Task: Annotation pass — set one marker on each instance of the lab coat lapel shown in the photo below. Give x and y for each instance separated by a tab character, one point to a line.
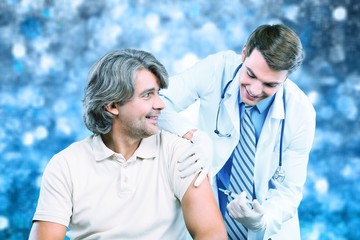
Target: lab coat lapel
228	123
231	104
268	145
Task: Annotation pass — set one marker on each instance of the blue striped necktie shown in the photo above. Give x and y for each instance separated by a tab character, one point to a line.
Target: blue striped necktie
242	171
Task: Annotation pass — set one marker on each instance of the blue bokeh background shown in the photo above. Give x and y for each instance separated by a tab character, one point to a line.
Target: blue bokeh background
47	48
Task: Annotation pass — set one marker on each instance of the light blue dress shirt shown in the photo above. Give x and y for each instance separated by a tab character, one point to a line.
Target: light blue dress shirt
258	115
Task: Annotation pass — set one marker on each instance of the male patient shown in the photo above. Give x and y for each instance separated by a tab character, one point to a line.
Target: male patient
123	182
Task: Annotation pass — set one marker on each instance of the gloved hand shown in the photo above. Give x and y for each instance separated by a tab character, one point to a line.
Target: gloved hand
253	219
198	159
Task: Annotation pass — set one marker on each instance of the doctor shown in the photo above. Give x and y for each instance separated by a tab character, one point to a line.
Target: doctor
283	119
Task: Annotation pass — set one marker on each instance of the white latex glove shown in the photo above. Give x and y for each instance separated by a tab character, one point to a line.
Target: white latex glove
198	159
240	210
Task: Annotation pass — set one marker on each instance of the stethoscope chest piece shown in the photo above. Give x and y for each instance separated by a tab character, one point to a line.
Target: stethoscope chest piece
279	174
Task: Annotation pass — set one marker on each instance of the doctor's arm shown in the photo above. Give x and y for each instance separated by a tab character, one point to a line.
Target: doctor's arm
196	83
184	89
42	230
202	215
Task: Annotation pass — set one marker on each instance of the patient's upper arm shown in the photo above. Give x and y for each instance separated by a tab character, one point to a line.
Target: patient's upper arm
42	230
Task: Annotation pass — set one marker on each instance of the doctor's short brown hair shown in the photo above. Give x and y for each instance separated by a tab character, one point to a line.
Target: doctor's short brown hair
279	45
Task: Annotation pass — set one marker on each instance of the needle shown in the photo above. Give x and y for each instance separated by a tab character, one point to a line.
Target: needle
232	194
229	193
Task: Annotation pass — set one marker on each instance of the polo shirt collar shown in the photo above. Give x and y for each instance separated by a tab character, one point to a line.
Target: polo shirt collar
148	147
146	150
101	151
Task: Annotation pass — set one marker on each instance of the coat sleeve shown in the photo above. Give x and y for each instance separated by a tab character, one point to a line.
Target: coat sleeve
195	84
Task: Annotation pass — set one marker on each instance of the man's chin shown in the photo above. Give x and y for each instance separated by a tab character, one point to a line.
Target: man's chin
152	131
252	102
249	102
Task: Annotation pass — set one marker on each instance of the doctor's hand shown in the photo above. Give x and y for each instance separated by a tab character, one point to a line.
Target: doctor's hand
240	210
198	159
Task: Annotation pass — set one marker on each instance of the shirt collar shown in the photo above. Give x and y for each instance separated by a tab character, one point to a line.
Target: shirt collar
263	104
146	149
101	151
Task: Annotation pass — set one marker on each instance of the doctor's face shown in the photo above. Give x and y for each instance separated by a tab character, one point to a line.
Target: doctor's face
257	80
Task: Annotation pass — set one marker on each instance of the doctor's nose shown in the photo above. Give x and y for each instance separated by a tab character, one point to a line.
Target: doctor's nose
256	88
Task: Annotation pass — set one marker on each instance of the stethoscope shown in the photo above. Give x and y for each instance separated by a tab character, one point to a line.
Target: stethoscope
279	174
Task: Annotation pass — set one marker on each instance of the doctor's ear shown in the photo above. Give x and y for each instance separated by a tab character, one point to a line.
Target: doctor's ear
112	108
243	53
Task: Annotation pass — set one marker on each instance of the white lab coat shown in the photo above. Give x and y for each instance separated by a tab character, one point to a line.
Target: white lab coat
206	81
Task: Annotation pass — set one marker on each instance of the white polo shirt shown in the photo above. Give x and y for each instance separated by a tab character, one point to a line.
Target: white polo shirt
98	195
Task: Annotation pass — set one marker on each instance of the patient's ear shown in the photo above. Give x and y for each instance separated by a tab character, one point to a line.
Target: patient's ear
112	108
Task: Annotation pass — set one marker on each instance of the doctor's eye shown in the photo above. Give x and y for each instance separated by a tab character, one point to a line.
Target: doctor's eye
271	85
250	74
